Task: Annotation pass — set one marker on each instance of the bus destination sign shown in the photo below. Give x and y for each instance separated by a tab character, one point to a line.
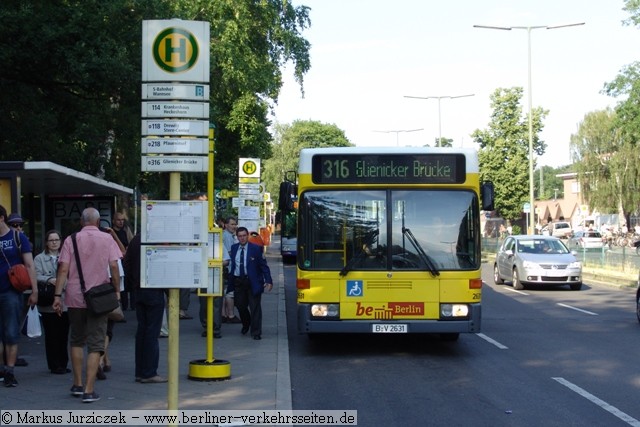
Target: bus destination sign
389	169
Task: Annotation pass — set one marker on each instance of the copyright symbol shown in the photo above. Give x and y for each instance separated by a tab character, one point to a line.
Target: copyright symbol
6	418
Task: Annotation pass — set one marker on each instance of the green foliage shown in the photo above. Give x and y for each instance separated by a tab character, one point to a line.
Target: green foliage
550	182
504	150
607	163
286	146
70	85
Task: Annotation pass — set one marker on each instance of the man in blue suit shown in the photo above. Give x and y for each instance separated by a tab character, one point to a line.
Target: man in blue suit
249	277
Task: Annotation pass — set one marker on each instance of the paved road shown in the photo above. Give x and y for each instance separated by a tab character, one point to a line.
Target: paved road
545	357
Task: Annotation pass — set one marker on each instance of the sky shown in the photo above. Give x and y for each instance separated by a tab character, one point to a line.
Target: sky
367	55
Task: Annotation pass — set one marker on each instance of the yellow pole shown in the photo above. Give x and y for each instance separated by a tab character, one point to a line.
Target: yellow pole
174	322
212	201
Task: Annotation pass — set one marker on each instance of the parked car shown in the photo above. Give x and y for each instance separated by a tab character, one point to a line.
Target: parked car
541	260
560	229
588	239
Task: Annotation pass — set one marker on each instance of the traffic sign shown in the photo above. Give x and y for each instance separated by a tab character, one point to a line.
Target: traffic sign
175	50
175	127
185	145
185	110
195	92
174	164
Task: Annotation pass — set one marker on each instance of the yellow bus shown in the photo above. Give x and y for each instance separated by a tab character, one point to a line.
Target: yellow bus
389	240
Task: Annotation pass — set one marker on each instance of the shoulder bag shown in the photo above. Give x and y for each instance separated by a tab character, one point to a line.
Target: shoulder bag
100	299
18	274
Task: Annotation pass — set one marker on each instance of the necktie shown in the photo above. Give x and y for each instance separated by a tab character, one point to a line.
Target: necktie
242	273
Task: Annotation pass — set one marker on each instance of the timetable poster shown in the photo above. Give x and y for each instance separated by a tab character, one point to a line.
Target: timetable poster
166	221
173	267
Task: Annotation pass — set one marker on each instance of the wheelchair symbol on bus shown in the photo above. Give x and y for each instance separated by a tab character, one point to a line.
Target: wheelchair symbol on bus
354	288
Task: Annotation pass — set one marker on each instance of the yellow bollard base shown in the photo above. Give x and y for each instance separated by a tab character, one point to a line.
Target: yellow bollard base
215	370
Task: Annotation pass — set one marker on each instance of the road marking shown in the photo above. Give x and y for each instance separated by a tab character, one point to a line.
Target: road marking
492	341
601	403
517	291
577	309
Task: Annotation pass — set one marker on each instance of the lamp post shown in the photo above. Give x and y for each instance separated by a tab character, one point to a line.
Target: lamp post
532	215
397	132
439	98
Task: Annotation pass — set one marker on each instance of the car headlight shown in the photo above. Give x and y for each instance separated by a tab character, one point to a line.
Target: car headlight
454	310
530	264
575	264
325	310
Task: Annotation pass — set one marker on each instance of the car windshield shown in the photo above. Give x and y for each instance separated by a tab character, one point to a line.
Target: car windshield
592	234
541	246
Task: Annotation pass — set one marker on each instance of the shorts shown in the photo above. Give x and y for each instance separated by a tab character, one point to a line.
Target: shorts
11	312
87	329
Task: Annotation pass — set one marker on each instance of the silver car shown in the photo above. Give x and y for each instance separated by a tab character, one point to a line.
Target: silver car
588	239
542	260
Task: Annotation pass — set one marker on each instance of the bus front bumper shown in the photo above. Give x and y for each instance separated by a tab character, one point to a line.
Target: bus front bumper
309	325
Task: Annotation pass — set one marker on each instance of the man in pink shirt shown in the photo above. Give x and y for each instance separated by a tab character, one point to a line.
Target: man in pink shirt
97	251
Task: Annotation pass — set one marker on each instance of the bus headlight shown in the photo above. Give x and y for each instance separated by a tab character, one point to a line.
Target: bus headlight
325	310
454	310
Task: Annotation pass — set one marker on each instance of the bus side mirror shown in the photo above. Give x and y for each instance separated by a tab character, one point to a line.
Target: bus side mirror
287	196
486	194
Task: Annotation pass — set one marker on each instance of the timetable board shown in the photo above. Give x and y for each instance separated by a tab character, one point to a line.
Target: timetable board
173	266
169	221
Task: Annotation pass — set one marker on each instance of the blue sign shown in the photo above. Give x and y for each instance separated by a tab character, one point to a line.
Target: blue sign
354	288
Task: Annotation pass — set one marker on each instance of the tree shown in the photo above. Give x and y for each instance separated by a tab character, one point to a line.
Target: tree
446	142
287	143
552	186
70	85
504	150
606	163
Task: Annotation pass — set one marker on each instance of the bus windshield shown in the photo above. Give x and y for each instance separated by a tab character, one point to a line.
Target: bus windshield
405	230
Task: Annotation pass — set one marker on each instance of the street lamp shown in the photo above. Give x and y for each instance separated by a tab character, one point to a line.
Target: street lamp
532	216
397	132
439	98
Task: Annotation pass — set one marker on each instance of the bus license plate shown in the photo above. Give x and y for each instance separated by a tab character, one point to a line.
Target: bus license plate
389	328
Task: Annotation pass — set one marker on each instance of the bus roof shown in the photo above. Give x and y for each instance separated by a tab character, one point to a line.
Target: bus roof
306	154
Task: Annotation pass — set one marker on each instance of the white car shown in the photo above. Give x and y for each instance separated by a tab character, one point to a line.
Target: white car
560	229
589	239
542	260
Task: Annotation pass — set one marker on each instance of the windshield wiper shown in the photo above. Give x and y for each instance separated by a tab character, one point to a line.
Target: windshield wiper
360	255
423	255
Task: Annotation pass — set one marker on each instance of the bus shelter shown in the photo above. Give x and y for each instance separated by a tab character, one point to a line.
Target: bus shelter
48	195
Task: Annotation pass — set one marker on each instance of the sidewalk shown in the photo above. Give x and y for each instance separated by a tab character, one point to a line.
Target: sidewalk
259	369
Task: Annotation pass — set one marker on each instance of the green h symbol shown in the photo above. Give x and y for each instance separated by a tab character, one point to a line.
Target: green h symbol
170	50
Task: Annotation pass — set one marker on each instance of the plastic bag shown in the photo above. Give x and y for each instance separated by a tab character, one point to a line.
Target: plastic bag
31	326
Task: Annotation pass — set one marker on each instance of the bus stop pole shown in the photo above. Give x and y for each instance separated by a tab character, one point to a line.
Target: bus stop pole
173	356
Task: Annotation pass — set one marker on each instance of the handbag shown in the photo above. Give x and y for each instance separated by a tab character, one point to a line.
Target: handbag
18	274
117	315
46	293
100	299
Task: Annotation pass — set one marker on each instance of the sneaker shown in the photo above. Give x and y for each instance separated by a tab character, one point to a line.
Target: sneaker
10	380
153	380
77	390
90	397
21	362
